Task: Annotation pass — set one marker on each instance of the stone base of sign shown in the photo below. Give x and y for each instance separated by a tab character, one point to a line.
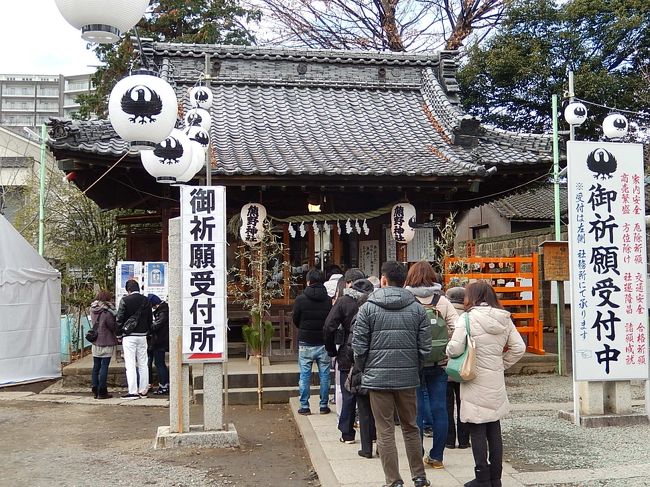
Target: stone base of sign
197	438
610	397
600	420
592	400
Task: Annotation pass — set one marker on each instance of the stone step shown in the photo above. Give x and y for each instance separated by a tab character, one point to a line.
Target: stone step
271	395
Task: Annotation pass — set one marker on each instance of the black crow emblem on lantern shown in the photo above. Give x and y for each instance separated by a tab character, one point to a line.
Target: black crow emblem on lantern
169	151
580	111
194	119
202	138
602	163
201	96
619	123
143	103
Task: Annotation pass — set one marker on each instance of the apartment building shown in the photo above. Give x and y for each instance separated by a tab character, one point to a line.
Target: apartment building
28	100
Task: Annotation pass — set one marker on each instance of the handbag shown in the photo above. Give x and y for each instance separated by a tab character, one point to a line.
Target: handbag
463	367
93	334
132	321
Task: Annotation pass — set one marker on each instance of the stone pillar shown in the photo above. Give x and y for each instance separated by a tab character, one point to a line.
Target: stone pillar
179	374
212	397
591	398
618	397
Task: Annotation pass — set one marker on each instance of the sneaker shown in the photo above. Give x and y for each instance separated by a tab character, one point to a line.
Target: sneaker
347	442
432	462
162	391
365	454
131	396
325	410
464	445
304	411
143	394
428	432
397	483
421	482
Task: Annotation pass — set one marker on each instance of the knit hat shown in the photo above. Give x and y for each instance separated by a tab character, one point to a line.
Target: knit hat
352	275
456	294
363	286
154	300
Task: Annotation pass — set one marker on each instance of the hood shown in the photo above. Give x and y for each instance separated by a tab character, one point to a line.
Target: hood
425	291
316	292
97	307
493	320
353	293
392	297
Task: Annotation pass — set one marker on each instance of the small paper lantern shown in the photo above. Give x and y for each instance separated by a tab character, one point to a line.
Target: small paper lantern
170	159
142	109
198	135
198	161
615	126
201	97
253	216
402	217
575	113
198	117
102	21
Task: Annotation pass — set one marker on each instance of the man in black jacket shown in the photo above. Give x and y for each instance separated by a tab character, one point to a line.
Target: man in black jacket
309	313
159	342
134	345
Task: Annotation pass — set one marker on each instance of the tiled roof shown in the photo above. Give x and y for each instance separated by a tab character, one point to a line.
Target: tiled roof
319	112
538	203
16	162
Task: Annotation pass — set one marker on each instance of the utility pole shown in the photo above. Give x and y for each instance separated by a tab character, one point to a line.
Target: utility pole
41	195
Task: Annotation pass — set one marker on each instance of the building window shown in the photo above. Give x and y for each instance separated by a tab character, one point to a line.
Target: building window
480	232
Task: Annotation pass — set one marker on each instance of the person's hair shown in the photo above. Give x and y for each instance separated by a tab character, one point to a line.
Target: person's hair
394	272
315	276
331	270
353	274
456	294
340	286
104	295
479	292
132	286
421	274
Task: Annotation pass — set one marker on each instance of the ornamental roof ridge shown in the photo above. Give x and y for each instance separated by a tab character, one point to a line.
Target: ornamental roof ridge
300	54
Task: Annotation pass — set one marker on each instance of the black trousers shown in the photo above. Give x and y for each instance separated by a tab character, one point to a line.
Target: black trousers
453	404
367	429
487	446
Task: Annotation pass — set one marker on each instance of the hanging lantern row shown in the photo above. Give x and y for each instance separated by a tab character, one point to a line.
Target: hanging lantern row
252	216
102	21
402	222
201	97
615	125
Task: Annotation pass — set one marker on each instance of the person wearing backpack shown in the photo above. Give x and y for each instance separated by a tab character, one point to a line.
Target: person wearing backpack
424	283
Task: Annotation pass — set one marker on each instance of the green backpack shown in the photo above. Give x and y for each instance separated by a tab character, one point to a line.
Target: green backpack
439	334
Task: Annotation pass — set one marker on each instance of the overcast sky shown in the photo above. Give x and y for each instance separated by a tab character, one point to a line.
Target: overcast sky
34	39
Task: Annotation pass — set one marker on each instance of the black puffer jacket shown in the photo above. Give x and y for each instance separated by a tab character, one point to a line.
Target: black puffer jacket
160	328
309	313
129	305
391	340
341	314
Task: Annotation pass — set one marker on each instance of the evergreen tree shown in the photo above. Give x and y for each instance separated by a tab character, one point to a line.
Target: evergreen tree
510	78
190	21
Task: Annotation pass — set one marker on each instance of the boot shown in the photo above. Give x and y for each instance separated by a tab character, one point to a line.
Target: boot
103	393
94	389
495	474
482	478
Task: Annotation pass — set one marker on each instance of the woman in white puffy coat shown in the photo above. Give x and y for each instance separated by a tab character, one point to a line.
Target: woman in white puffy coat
484	400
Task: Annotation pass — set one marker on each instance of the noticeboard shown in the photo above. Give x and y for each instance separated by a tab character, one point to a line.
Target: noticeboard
556	260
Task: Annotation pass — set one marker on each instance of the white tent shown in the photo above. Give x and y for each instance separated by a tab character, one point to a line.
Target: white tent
30	311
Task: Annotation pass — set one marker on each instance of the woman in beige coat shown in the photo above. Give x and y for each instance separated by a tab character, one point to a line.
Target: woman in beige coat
485	400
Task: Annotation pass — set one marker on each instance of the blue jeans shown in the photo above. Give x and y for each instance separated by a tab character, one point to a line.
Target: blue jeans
307	355
434	381
100	371
161	367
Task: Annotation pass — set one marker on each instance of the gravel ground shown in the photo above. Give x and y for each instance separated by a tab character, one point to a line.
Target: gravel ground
539	440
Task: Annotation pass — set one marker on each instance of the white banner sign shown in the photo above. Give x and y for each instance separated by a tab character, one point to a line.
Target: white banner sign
203	241
608	261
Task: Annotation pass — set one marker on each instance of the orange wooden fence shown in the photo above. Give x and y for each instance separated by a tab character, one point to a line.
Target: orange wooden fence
506	275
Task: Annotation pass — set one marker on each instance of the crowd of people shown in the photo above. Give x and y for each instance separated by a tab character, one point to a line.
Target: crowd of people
390	344
144	345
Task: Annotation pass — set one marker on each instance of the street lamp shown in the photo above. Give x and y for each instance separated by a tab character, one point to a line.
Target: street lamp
41	193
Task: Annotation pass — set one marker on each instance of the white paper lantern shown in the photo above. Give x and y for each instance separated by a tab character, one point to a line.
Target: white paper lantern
142	109
615	126
252	216
198	162
102	21
198	135
575	113
201	97
170	159
198	117
402	217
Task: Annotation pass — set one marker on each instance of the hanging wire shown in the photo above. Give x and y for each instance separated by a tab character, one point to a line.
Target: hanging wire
640	114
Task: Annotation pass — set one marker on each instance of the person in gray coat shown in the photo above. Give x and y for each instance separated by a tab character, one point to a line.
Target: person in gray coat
391	341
